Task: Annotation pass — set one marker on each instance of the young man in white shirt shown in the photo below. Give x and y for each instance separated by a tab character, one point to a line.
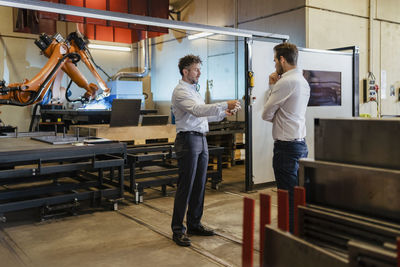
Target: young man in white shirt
286	107
191	117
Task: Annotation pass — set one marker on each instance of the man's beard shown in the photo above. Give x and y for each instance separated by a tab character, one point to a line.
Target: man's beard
194	80
279	69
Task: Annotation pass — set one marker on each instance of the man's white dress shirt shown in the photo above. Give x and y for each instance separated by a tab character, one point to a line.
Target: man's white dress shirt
190	111
286	106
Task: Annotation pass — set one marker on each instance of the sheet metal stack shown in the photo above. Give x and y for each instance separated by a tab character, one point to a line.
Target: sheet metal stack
353	190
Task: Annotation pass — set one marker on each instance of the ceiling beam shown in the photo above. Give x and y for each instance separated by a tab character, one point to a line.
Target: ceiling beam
136	19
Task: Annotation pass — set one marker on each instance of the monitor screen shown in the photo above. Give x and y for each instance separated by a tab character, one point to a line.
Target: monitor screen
326	87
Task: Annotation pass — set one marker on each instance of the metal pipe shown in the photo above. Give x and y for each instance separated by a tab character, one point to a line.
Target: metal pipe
145	72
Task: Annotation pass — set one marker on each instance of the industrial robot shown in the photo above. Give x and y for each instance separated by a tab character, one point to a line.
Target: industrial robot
63	55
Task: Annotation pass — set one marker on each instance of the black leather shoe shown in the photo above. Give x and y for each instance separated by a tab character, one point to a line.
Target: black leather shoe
200	230
181	240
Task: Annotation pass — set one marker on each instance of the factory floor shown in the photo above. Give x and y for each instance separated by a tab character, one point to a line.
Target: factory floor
134	235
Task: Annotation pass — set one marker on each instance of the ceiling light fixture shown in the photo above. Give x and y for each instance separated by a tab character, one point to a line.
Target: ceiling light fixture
199	35
110	47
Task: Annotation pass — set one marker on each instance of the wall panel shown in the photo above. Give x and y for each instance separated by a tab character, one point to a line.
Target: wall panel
390	54
252	9
290	23
358	7
388	10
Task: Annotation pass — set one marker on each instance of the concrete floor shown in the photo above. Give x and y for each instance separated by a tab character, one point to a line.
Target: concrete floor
135	235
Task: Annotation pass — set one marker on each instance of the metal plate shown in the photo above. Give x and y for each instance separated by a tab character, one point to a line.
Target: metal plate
369	142
284	249
59	140
370	191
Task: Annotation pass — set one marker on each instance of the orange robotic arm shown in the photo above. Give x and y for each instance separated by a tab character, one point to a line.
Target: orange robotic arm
63	56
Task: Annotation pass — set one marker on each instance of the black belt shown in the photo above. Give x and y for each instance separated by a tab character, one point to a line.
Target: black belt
294	140
192	133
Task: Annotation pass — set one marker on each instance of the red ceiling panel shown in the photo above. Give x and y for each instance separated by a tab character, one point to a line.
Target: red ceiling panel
104	33
97	28
96	4
119	6
122	35
48	15
158	9
138	7
89	31
48	26
74	18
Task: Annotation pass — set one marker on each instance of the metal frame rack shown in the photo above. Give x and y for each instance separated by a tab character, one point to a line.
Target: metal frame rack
160	155
33	174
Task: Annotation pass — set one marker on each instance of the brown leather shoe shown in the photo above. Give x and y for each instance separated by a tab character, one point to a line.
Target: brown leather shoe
181	240
201	230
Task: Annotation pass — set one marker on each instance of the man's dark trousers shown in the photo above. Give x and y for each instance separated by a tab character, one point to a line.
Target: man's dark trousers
286	166
192	155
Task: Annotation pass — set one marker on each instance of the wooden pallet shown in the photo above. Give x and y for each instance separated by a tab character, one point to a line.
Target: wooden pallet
138	134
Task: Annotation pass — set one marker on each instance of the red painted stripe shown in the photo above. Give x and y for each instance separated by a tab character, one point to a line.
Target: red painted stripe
299	199
265	218
283	210
248	232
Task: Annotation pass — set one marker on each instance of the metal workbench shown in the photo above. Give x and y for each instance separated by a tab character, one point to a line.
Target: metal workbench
36	174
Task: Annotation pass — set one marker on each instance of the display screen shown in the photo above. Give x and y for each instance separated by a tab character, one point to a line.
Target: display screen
326	87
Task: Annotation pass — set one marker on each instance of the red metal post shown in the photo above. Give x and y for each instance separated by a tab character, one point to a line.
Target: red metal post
265	218
283	210
299	199
248	232
398	252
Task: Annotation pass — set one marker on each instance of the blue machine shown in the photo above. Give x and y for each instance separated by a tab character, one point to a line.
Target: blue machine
125	90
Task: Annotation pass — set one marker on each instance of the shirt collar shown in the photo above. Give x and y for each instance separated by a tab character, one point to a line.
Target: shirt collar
290	71
187	85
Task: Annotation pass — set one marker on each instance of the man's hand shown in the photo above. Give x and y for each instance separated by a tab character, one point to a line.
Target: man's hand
228	112
232	104
273	78
233	107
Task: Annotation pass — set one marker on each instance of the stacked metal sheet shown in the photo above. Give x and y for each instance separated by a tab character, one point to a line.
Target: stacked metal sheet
353	190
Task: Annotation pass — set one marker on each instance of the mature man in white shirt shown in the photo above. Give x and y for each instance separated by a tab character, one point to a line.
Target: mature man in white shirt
286	107
191	117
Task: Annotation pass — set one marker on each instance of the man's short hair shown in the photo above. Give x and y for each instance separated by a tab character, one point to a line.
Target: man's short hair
188	60
288	51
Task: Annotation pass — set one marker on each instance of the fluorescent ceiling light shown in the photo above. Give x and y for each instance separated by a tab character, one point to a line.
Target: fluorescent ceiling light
199	35
110	47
